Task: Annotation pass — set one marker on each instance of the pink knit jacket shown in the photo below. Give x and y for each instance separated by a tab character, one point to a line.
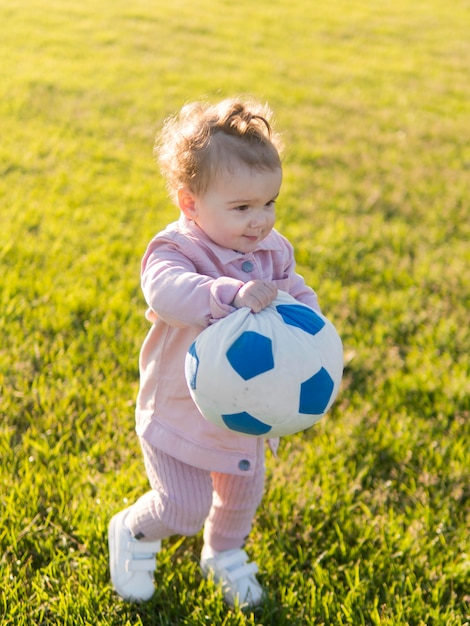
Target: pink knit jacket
189	282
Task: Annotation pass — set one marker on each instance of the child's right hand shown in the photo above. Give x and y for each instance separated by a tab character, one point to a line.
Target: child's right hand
255	294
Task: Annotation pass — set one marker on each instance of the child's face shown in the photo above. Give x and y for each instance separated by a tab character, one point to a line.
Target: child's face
237	211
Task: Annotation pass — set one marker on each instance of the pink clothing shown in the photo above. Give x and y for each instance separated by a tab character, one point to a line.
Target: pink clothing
189	283
184	499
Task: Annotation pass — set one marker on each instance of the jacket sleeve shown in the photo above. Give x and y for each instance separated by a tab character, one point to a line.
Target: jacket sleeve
178	294
303	293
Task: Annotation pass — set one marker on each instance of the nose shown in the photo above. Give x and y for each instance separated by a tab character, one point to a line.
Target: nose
258	220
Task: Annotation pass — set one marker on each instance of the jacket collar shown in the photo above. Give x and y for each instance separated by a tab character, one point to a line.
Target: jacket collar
225	255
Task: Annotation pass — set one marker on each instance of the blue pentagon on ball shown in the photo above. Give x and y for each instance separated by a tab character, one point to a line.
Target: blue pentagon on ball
301	317
315	393
192	366
245	423
251	354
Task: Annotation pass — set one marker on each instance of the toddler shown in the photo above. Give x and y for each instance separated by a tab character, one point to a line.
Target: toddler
223	170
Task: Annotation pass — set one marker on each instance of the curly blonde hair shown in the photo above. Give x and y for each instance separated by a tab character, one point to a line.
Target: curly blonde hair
204	140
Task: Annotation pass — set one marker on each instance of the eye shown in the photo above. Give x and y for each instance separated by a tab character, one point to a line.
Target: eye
271	203
242	207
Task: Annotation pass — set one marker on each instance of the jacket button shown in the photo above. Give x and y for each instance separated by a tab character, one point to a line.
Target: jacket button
247	266
244	465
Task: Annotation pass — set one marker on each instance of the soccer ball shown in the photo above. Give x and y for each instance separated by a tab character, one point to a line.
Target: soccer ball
266	374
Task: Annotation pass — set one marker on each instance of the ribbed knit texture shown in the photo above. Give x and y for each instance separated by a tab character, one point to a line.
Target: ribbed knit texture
234	503
183	497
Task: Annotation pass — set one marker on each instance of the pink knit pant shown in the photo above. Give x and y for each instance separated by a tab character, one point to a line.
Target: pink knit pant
185	498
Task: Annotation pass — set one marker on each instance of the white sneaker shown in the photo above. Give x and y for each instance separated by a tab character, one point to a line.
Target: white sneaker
236	576
132	563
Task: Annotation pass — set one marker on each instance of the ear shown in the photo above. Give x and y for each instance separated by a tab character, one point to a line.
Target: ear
187	203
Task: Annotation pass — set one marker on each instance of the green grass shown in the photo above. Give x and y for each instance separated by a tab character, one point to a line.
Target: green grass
366	515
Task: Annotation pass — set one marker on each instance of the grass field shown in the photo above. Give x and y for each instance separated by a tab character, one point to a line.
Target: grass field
366	516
